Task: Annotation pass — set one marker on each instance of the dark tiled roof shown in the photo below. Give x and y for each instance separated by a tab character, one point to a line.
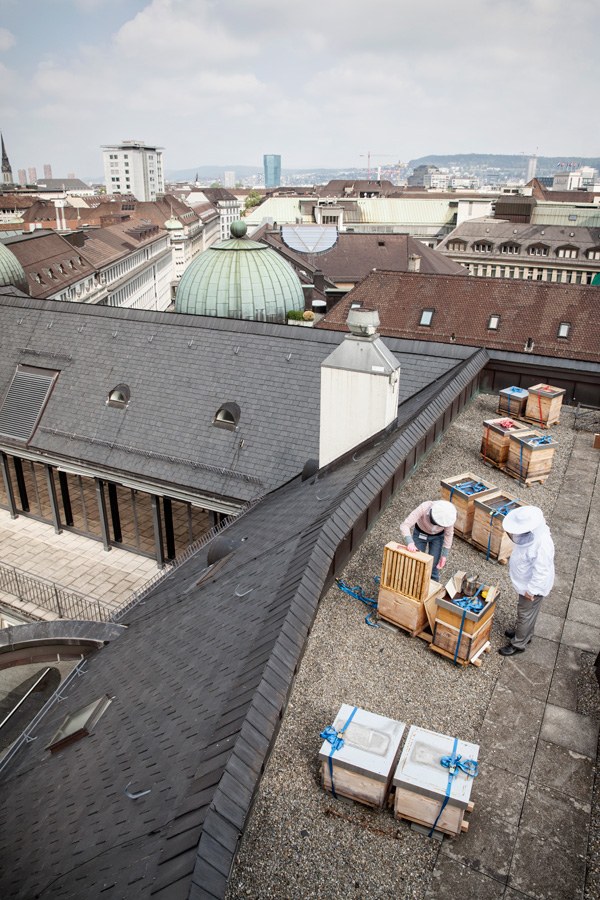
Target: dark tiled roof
355	255
42	254
59	184
200	680
180	370
463	305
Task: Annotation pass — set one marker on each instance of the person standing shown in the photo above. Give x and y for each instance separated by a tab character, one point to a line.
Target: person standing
531	571
433	529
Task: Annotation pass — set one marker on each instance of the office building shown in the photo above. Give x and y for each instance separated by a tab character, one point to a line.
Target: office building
31	175
47	170
133	167
229	179
22	177
272	163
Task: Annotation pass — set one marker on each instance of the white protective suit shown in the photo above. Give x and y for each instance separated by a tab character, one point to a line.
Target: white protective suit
532	565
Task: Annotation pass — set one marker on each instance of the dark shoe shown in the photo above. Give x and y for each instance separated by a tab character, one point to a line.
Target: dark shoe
510	633
509	650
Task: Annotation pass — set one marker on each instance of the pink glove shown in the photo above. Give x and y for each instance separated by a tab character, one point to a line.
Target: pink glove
412	547
442	562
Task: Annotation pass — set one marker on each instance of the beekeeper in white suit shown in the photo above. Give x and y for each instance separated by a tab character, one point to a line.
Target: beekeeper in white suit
531	571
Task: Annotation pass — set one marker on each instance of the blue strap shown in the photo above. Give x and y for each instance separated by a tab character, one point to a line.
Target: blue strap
468	604
521	463
336	739
452	763
469	488
462	625
542	439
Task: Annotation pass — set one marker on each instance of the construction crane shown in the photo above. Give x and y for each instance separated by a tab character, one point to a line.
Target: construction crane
368	155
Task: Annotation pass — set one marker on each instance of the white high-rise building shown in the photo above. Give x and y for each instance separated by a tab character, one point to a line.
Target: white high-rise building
229	179
133	167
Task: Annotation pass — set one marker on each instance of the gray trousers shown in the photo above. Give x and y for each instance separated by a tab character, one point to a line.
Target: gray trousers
527	613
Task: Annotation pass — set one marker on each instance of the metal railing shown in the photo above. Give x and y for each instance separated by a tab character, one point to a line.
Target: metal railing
27	736
66	603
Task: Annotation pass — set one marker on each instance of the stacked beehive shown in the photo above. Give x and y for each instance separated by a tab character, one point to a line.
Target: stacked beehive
406	587
530	456
461	633
422	781
512	401
544	404
488	534
363	766
461	490
496	439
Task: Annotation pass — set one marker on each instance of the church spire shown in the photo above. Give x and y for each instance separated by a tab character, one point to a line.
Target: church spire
7	177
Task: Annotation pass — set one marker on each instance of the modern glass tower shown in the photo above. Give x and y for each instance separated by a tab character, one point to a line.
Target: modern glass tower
272	163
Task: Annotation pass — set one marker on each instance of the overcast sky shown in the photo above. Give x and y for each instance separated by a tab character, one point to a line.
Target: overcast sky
220	82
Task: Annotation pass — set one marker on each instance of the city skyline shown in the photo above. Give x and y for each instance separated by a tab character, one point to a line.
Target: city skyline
223	83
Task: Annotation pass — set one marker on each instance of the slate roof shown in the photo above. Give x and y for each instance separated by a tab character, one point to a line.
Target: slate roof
355	255
180	370
197	704
526	235
463	305
59	184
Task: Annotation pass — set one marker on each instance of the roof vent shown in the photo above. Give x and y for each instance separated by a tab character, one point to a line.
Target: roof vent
227	416
363	322
311	467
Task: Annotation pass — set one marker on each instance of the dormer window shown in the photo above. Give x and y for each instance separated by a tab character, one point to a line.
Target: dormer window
564	329
538	250
567	252
426	317
594	253
510	248
482	247
119	397
459	246
494	322
227	416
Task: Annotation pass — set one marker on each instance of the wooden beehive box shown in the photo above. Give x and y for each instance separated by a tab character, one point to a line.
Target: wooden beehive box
544	404
476	627
421	781
513	401
363	768
405	572
488	533
530	456
461	490
496	439
406	612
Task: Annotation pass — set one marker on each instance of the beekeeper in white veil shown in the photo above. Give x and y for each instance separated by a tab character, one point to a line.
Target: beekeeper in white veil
531	571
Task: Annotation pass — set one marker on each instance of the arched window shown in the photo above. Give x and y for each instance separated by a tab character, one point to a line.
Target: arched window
227	416
119	396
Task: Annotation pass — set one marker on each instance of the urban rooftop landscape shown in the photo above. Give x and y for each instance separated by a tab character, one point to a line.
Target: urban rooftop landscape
299	451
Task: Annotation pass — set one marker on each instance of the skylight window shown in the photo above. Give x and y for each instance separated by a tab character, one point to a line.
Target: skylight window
227	416
120	396
426	317
25	400
564	329
494	322
79	724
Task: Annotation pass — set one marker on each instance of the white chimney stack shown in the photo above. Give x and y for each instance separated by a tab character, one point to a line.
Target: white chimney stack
414	263
360	383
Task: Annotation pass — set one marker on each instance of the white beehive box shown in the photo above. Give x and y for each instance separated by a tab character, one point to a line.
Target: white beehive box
421	780
363	768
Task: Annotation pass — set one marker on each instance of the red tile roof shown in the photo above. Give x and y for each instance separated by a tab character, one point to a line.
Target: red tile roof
462	306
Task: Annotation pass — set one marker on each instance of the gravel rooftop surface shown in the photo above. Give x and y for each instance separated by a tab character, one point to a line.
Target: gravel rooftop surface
301	843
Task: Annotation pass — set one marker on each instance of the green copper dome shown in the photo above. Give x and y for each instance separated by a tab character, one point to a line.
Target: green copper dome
240	279
11	270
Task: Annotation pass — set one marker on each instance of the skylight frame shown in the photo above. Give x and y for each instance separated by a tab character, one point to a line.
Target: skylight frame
78	724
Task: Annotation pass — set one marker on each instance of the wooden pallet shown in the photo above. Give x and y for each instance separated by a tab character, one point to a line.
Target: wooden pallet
526	482
476	660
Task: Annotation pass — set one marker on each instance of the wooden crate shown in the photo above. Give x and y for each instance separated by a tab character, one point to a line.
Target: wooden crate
407	612
476	627
404	572
544	404
496	439
528	459
513	401
363	768
488	533
463	498
421	781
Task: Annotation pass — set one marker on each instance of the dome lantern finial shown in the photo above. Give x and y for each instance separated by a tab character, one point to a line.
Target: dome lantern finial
238	229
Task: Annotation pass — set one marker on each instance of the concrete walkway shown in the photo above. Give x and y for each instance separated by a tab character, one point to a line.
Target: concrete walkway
71	560
529	830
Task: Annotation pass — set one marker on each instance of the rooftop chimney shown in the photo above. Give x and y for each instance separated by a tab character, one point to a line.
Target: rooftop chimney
360	382
414	263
